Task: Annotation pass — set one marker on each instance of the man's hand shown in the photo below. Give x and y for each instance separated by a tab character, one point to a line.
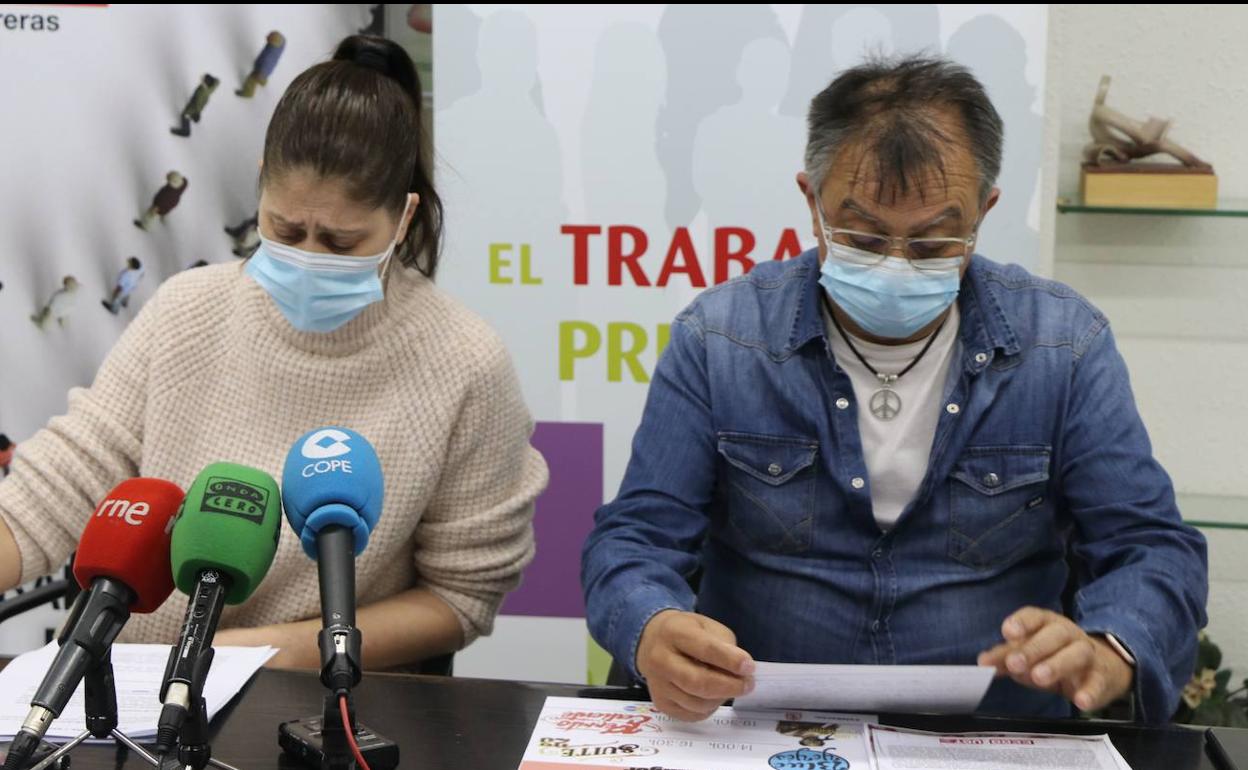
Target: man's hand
1047	651
692	664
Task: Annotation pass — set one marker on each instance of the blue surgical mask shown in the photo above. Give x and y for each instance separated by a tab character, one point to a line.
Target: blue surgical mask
887	296
318	292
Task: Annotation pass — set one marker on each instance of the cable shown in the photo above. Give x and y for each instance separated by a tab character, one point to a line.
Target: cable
21	750
346	725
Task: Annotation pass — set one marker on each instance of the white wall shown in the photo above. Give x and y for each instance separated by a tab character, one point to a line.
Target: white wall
1174	288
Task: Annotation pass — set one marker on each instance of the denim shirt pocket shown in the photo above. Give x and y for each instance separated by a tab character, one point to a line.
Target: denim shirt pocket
769	484
999	509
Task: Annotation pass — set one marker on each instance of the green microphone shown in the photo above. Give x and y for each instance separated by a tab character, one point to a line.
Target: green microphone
224	540
229	524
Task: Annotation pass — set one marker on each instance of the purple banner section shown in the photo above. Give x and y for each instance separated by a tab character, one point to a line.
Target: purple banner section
564	517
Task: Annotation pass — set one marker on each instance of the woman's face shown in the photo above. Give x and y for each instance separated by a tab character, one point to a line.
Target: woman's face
313	213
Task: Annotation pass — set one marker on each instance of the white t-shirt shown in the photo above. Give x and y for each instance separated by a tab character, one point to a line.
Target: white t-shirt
896	451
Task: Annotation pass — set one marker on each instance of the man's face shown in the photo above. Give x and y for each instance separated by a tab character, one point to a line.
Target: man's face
937	203
940	201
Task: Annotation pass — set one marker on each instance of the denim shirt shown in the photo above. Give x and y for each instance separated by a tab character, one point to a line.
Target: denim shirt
747	472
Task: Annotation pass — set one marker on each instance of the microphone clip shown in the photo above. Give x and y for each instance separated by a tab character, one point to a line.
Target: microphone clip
340	658
193	748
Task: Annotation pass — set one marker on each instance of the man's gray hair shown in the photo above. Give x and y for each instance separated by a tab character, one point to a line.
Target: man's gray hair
891	108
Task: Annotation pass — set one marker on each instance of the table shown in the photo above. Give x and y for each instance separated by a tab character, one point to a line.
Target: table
444	723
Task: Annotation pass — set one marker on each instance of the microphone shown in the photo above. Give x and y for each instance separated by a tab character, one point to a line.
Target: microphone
122	564
224	541
332	490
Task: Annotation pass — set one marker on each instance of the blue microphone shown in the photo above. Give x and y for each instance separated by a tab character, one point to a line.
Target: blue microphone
332	490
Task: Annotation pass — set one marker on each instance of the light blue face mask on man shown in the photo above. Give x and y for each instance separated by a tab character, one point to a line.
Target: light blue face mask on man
887	296
318	292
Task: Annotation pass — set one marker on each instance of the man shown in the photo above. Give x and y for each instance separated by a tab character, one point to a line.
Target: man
194	108
127	281
165	200
888	451
59	304
266	62
246	236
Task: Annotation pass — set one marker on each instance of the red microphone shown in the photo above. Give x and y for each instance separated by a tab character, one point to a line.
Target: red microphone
123	567
128	540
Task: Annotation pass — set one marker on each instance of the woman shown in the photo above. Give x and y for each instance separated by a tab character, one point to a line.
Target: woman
334	320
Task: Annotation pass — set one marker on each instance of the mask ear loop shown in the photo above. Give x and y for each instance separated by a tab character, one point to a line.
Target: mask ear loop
824	230
823	226
974	240
386	267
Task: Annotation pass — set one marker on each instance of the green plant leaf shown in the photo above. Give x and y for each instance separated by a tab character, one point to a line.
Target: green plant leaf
1209	713
1210	656
1238	717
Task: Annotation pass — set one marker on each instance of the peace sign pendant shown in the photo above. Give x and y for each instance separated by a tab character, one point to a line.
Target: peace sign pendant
885	404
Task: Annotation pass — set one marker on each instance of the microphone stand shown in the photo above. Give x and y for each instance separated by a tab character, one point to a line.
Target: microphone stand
100	701
340	671
338	754
325	746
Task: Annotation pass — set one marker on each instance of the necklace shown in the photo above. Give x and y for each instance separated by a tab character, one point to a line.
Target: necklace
885	403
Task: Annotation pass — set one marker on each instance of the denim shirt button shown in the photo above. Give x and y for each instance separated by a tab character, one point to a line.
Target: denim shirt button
991	480
875	626
774	469
981	358
842	403
953	408
857	482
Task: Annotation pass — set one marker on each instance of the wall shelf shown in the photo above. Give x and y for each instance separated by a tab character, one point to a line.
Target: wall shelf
1227	207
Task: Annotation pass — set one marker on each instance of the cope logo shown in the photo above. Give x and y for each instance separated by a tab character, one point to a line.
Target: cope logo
235	498
326	444
323	447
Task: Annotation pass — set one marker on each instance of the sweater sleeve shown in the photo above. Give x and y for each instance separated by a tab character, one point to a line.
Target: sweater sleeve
60	474
476	536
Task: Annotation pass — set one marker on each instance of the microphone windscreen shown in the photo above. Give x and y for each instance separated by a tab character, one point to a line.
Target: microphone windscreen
332	477
230	522
128	540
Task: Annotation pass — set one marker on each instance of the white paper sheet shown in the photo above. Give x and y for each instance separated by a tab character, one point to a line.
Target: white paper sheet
138	670
601	734
892	748
901	689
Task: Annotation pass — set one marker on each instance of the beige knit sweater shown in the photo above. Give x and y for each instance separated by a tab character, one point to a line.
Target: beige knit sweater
211	371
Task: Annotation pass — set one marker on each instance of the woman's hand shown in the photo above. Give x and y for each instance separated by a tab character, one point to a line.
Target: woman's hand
400	629
295	643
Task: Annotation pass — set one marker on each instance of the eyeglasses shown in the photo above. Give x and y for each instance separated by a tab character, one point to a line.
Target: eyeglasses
917	251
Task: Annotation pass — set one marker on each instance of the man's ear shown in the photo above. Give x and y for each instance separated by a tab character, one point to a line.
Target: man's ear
803	184
991	201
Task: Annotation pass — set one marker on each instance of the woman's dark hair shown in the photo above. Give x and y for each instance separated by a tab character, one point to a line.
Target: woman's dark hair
357	118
